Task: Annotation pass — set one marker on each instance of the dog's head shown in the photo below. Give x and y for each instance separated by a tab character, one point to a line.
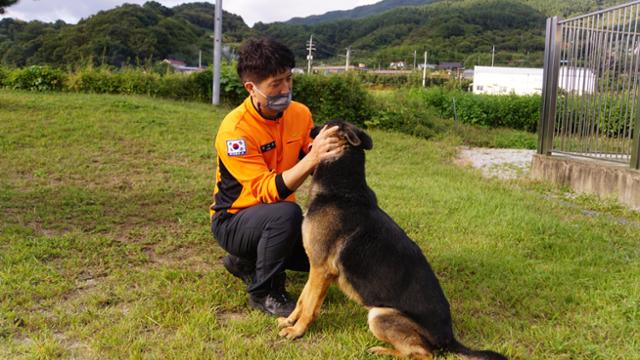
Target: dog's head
355	137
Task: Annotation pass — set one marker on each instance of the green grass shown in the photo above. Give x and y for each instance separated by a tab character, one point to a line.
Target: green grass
105	249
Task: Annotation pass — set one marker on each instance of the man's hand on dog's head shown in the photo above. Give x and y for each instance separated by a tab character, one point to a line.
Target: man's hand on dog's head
327	145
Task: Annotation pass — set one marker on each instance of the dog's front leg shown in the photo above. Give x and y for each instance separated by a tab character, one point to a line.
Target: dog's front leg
295	314
309	303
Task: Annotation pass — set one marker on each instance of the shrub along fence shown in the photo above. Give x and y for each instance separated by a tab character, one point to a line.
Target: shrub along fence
416	111
401	80
511	111
328	97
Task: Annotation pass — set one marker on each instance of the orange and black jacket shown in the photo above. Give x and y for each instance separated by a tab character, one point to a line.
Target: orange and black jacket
252	154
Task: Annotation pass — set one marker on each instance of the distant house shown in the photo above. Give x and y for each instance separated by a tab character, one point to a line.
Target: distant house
397	65
333	69
181	66
527	81
451	66
390	72
428	66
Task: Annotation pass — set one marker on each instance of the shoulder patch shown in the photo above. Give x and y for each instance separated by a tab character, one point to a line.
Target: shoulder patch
236	147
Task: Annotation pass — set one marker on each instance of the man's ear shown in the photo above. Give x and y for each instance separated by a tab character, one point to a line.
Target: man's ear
249	87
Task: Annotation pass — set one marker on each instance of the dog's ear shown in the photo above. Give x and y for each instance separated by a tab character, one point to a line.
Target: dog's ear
367	142
316	129
351	136
357	137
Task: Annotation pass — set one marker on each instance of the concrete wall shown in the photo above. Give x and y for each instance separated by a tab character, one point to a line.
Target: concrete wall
602	178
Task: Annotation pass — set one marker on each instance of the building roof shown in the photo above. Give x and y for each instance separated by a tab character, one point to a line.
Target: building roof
505	70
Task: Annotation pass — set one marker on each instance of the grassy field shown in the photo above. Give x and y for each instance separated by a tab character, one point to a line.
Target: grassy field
105	249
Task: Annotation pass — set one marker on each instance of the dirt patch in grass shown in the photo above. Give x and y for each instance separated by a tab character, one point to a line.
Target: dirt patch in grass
226	316
184	258
500	163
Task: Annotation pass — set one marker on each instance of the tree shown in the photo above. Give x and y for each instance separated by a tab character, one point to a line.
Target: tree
6	3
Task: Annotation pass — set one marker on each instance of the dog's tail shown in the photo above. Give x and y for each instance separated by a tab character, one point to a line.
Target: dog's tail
456	347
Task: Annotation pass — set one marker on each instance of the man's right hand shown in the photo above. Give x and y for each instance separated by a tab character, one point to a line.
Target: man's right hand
326	145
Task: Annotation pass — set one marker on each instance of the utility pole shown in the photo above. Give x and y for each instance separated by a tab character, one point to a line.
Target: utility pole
493	54
346	66
415	53
424	71
217	49
199	59
311	48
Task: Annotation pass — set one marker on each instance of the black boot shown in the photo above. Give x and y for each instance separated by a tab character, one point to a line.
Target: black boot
241	268
277	302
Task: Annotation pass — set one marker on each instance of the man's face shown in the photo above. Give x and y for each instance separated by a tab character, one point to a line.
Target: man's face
273	85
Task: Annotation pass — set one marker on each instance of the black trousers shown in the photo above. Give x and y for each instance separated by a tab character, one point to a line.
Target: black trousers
269	234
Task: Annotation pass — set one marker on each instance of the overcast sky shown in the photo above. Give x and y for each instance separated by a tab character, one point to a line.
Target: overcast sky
252	11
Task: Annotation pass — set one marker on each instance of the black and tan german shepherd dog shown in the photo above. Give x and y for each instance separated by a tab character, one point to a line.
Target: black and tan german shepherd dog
348	238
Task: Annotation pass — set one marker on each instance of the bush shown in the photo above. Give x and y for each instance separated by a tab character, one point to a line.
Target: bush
405	111
4	76
93	80
134	81
231	87
613	114
408	112
333	96
36	78
413	79
189	87
512	111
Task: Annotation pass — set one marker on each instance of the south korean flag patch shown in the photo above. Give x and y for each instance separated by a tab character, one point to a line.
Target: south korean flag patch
236	147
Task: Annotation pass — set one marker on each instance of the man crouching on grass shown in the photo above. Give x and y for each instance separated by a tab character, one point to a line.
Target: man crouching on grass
264	153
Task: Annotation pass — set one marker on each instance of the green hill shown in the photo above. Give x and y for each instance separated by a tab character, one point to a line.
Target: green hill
391	30
127	34
358	12
450	30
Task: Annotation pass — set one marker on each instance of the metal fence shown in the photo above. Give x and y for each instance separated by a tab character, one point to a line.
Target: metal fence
591	86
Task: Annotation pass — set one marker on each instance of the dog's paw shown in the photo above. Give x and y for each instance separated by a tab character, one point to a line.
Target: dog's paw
284	322
291	332
379	350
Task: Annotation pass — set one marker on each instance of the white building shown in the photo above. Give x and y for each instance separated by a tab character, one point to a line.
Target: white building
528	81
578	80
506	80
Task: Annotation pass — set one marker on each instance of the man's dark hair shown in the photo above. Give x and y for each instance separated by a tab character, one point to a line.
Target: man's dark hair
263	57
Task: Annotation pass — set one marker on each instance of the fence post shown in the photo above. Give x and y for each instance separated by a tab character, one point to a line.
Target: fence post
635	150
549	86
